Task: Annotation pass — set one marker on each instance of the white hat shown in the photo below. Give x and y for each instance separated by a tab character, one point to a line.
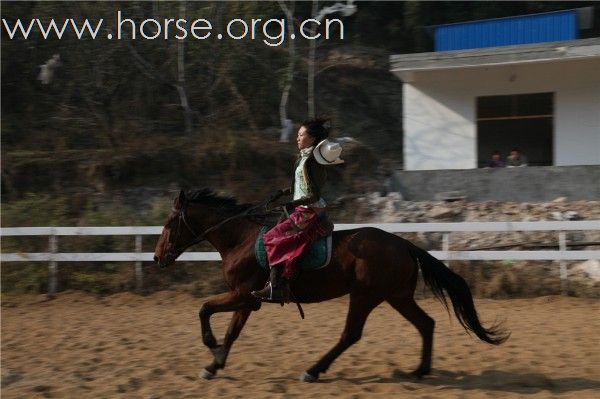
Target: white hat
328	153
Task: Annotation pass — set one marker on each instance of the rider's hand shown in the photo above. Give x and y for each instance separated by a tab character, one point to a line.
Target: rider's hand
288	207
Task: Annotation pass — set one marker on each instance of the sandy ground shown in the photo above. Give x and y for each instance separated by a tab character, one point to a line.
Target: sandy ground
130	346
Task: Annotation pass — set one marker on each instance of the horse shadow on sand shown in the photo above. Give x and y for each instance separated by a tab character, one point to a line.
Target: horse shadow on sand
488	380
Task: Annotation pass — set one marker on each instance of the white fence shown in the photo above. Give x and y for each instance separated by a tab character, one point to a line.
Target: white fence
53	256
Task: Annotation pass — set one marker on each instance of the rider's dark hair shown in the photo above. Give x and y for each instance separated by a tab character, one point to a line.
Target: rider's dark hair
318	128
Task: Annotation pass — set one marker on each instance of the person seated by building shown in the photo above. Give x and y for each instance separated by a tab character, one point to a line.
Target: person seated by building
495	161
515	158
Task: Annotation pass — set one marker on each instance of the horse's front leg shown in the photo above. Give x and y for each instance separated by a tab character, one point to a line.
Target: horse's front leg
226	302
242	305
220	352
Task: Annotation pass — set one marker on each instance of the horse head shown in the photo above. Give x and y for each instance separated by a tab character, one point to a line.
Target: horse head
193	217
178	234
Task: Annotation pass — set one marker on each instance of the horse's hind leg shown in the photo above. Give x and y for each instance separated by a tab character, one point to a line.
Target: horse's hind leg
425	324
220	352
360	307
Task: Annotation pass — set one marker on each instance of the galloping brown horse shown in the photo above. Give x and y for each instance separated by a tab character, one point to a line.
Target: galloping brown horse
369	264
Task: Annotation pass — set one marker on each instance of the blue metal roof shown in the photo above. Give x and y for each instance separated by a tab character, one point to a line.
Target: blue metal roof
524	29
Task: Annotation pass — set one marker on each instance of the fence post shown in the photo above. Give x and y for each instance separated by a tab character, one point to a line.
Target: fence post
139	276
562	246
53	267
446	245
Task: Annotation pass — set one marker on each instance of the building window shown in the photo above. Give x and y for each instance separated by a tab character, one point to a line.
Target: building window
522	121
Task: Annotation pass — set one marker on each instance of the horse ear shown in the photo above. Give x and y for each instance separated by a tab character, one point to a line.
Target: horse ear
180	200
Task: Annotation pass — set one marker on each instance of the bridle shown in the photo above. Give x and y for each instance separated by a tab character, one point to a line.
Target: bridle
182	218
198	238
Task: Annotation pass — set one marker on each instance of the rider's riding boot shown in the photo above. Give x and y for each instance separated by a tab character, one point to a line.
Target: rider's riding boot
277	289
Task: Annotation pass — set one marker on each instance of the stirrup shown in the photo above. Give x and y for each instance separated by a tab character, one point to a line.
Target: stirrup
262	295
285	299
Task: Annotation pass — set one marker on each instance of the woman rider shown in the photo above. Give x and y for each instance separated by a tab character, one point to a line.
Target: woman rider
307	222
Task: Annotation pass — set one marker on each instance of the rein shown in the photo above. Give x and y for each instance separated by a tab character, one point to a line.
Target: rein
202	236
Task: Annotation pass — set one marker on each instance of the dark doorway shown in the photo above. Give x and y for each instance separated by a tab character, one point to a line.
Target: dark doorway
522	121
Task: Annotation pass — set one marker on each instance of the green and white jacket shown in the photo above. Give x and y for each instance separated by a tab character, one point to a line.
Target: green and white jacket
308	181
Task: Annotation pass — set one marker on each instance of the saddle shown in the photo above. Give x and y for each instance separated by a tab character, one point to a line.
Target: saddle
316	256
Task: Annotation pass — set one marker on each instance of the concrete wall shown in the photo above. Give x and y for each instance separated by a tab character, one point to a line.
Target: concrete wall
525	184
577	118
439	112
439	129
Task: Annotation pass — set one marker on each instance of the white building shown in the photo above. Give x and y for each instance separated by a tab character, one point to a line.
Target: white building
461	105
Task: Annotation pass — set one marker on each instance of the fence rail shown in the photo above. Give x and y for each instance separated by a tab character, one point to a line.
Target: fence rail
391	227
53	256
214	256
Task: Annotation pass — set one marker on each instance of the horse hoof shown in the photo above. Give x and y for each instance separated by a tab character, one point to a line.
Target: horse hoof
419	374
308	378
205	374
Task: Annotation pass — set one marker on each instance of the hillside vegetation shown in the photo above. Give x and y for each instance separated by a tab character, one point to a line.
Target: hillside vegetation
112	117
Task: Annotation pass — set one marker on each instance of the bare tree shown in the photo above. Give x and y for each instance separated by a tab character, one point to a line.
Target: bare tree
346	10
311	65
285	122
180	86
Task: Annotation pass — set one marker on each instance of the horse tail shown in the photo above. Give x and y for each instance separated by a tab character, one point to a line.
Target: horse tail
440	278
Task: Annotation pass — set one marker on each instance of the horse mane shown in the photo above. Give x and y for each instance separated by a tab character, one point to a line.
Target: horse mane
230	205
209	197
